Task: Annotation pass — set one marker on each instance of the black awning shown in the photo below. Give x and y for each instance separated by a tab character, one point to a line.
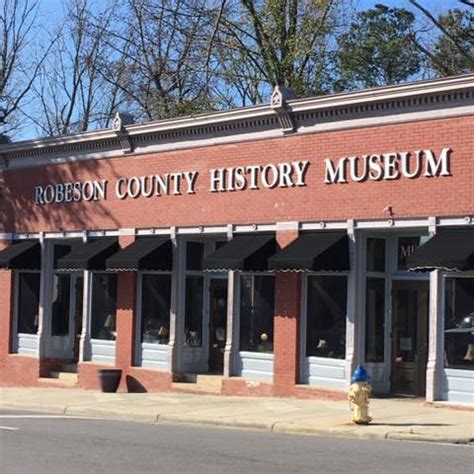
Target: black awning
147	253
243	252
89	256
323	251
24	255
449	249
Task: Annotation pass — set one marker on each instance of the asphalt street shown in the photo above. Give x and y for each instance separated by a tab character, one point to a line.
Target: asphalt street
41	443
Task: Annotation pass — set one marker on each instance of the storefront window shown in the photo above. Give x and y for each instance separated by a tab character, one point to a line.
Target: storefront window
193	318
61	305
459	323
28	302
326	316
104	306
156	297
256	313
375	255
375	320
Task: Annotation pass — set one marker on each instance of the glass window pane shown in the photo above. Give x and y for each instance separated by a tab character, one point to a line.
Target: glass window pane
28	302
194	255
193	317
326	316
61	307
256	313
104	306
375	320
375	255
156	298
459	323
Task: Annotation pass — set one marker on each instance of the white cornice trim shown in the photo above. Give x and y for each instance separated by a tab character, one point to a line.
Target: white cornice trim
434	86
425	100
457	83
356	225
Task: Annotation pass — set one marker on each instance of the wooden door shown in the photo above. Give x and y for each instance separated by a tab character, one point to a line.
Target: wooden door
409	336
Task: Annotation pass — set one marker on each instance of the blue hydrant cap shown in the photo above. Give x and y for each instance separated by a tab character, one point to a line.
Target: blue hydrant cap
360	375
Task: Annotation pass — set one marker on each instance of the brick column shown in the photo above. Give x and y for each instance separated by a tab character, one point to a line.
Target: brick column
6	308
126	308
286	337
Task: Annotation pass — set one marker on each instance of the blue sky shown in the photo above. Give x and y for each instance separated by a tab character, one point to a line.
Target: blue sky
53	7
52	14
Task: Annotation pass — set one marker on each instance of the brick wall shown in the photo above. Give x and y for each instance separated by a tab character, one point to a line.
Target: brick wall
317	201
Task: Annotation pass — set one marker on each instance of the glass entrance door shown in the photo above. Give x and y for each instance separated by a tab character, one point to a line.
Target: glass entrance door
409	336
66	315
217	323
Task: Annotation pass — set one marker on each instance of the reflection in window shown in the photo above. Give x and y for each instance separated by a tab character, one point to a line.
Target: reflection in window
375	255
459	323
61	305
375	319
193	316
256	313
28	302
156	297
326	316
104	306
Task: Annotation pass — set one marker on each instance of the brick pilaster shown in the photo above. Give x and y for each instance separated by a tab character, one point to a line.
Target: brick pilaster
126	308
286	323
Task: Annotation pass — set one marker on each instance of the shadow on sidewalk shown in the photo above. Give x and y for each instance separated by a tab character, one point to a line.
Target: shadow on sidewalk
410	424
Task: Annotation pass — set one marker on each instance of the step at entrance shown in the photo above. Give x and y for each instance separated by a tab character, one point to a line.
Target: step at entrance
201	383
65	377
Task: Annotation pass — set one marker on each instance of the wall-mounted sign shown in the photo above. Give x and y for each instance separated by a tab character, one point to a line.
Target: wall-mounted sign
388	166
376	167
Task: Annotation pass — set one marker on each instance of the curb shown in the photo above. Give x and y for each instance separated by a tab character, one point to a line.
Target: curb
272	427
400	436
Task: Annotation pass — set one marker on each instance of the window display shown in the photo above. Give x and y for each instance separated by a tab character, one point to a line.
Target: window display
155	317
256	313
104	306
459	323
193	318
28	302
326	316
375	320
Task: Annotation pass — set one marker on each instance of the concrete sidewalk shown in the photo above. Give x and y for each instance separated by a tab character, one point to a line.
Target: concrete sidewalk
402	419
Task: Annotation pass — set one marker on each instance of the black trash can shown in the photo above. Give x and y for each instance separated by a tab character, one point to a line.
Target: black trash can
109	379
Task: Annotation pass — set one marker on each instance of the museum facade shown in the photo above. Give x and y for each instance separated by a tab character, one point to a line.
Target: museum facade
265	250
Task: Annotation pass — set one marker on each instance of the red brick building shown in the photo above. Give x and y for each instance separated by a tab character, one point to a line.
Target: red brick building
277	246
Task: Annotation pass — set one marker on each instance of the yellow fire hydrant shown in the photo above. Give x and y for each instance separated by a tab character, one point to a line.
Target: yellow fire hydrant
359	395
